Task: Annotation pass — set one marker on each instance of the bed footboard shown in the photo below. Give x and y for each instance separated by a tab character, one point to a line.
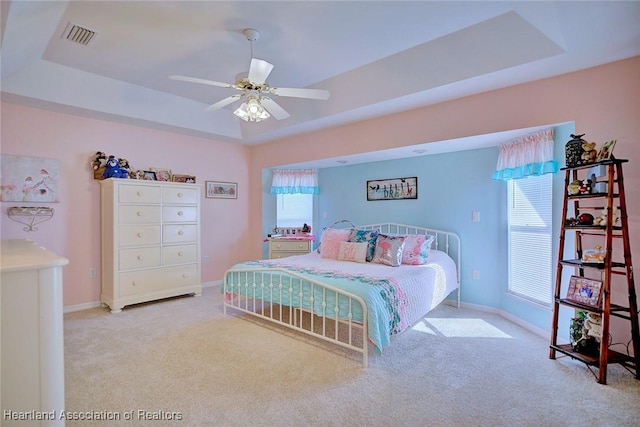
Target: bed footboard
299	303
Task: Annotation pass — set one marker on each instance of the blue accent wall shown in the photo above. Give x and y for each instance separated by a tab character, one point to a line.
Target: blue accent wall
450	187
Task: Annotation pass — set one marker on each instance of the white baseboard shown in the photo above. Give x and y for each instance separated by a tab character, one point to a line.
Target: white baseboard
526	325
94	304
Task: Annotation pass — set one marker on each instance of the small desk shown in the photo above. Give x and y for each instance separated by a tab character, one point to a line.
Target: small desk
281	247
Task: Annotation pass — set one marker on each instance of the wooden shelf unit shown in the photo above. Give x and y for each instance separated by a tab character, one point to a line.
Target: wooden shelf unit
607	269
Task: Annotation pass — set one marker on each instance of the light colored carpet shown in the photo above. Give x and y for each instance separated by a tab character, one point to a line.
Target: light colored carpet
184	358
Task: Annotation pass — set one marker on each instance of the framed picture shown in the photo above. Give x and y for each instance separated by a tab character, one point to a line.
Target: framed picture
221	190
149	176
183	178
584	291
29	179
392	189
162	174
606	150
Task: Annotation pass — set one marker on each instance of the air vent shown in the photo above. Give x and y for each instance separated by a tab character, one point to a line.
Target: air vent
78	34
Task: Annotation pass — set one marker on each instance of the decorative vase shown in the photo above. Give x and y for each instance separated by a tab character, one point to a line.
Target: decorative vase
573	151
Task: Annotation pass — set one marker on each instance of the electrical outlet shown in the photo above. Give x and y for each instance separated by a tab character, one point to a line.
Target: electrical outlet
206	259
475	216
92	273
476	274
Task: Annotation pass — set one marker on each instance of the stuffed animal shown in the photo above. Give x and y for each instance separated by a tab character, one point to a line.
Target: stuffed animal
114	170
585	187
99	160
589	152
602	219
124	164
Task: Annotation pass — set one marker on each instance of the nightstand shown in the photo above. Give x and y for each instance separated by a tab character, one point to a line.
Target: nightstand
284	247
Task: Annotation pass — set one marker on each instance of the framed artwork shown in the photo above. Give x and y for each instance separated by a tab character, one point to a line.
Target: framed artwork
584	291
29	179
392	189
162	174
183	178
606	151
149	176
221	190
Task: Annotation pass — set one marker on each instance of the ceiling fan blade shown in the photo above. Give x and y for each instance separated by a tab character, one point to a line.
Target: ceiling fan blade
259	70
203	81
274	109
300	93
223	103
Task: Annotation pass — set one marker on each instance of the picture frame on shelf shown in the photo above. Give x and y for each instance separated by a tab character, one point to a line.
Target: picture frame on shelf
190	179
149	176
606	151
162	174
221	190
584	291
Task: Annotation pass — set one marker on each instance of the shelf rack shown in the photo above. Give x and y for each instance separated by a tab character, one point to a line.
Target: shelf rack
30	216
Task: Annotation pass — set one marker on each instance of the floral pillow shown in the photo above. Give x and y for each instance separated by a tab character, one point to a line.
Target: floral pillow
330	241
354	252
416	249
368	236
389	250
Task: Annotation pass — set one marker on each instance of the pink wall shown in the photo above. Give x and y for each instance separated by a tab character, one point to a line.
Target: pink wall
604	102
74	231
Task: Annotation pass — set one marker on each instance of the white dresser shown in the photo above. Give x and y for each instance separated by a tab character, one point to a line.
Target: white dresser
285	247
150	241
32	345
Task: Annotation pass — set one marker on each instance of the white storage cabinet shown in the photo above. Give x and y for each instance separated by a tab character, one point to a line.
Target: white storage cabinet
150	241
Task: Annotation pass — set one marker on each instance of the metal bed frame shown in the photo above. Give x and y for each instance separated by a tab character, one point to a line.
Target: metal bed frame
244	290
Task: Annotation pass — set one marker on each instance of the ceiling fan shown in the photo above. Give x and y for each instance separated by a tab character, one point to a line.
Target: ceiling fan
254	87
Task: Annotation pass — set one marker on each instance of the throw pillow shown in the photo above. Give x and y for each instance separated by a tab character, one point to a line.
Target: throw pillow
330	241
389	250
416	249
368	236
354	252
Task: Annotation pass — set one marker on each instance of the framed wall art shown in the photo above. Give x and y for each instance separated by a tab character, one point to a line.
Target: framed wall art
29	179
392	189
584	291
221	190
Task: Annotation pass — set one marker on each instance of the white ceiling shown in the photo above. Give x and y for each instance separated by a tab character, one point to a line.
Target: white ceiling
375	57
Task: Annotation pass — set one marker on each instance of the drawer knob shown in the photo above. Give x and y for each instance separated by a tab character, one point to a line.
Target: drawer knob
134	283
140	257
180	233
179	194
180	253
139	193
180	213
140	234
139	213
185	275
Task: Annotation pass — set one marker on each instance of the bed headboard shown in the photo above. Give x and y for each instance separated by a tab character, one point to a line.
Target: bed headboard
444	241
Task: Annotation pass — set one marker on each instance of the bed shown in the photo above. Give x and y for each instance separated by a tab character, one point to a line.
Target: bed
354	305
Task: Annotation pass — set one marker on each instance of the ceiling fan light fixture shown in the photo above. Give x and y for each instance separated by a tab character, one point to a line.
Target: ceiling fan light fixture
252	111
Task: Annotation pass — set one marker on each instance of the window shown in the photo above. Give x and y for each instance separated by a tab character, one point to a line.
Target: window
530	258
294	210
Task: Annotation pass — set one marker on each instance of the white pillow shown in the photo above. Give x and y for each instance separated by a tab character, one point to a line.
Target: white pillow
352	251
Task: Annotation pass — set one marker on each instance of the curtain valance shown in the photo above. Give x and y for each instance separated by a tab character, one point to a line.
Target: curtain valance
294	181
529	155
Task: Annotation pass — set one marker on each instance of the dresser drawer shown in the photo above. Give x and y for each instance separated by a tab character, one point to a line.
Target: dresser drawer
179	214
182	254
138	214
179	233
180	195
138	194
157	279
133	258
139	235
291	245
